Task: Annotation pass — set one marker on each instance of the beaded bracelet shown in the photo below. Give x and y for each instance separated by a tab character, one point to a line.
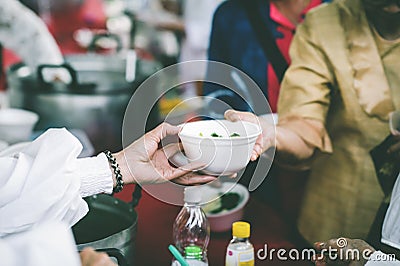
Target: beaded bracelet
117	171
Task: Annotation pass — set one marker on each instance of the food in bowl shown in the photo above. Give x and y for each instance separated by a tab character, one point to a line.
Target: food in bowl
215	135
223	147
224	205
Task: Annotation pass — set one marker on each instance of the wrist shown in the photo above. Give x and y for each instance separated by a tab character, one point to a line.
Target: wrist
118	182
127	176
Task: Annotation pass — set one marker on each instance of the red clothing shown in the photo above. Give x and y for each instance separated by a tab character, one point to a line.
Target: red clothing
64	23
287	29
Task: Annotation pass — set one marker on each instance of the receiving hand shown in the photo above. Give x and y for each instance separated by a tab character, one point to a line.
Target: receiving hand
344	251
266	139
143	162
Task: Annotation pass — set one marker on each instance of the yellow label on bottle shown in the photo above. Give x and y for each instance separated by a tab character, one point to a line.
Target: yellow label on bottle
247	263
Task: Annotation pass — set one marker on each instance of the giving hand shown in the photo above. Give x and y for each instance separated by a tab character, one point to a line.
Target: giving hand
144	162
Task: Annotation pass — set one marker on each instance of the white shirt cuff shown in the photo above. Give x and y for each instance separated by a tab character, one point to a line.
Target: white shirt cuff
95	175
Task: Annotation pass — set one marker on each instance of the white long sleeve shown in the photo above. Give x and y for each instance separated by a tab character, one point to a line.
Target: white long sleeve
26	34
95	175
45	182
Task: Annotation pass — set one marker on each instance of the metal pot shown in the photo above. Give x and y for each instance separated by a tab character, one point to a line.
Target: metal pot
94	101
110	226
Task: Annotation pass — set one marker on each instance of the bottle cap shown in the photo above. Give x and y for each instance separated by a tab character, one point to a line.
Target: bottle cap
241	229
193	252
192	195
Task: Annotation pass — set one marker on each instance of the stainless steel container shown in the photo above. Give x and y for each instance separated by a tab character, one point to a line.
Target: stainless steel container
110	226
94	101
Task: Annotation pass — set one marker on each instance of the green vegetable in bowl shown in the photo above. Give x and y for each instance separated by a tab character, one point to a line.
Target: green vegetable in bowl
226	202
215	135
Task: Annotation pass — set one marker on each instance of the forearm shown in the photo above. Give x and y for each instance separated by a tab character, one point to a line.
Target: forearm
127	174
298	138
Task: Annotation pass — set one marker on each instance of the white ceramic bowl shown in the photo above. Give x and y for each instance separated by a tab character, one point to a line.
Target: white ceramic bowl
223	155
16	125
220	222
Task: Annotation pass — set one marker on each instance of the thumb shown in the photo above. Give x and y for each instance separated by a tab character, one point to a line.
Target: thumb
234	116
231	115
152	138
163	130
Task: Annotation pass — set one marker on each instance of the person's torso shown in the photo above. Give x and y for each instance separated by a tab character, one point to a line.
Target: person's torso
361	100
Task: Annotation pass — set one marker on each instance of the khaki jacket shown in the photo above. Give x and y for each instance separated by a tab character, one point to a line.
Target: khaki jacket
337	77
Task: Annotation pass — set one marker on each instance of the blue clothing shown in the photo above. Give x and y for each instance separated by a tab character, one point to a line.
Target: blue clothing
234	42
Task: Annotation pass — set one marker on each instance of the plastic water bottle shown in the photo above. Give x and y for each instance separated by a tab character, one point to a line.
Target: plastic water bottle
191	232
240	251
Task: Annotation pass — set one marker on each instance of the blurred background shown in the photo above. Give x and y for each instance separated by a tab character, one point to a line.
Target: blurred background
110	47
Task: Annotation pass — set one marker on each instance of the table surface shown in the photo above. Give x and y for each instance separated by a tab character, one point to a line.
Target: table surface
155	232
